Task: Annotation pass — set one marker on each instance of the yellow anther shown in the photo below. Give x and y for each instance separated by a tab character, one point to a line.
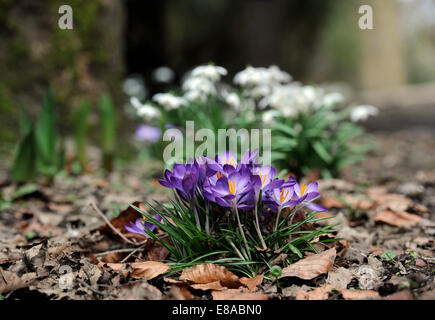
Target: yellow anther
304	187
283	196
263	180
232	186
232	161
219	175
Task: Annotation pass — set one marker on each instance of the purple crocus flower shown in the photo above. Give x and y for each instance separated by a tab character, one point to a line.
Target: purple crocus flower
148	133
140	225
234	190
184	179
281	197
305	193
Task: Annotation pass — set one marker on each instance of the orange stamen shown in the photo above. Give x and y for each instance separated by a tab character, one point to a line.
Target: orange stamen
232	186
263	180
219	175
304	187
284	196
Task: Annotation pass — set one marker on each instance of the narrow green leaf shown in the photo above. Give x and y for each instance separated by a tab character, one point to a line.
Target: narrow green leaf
24	165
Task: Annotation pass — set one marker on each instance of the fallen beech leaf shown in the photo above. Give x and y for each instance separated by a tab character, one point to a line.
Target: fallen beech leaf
215	285
322	293
148	269
395	202
174	281
359	202
157	252
206	273
238	294
9	281
358	294
312	266
252	283
116	267
401	295
331	202
399	218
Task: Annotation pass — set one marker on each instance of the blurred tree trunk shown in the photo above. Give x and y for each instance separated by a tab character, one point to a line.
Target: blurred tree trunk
383	63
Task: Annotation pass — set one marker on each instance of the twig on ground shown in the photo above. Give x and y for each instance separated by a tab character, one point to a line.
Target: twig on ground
131	253
101	254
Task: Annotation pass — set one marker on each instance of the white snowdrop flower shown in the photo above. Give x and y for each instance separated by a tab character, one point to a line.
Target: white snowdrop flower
361	113
163	74
169	101
134	86
332	98
251	76
195	95
146	111
233	100
281	96
279	76
269	116
309	93
202	85
211	72
289	111
259	91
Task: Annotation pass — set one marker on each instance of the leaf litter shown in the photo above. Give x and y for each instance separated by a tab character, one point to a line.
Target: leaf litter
46	228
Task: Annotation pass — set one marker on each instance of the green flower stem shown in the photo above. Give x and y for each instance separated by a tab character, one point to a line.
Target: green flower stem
257	226
241	230
235	248
195	212
207	219
277	219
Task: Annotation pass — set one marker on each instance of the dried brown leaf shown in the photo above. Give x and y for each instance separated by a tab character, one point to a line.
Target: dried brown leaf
215	285
9	281
322	293
206	273
252	283
331	202
148	269
238	294
312	266
358	294
399	218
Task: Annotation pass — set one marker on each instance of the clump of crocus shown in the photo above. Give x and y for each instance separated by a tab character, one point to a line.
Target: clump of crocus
239	211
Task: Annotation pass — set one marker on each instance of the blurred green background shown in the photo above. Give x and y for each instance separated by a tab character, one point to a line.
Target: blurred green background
391	66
